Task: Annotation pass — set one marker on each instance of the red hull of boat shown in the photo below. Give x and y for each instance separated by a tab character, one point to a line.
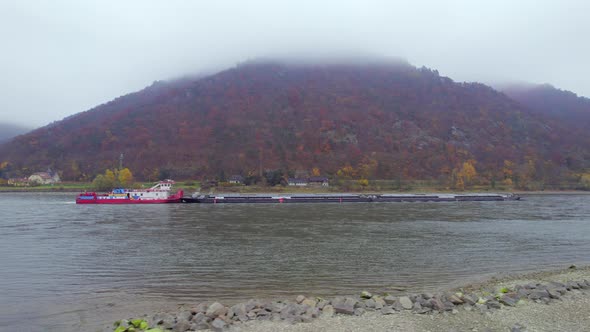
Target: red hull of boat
127	201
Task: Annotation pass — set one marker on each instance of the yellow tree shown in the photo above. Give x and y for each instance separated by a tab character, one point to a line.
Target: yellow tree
125	177
315	171
368	167
346	172
508	169
110	176
101	183
468	172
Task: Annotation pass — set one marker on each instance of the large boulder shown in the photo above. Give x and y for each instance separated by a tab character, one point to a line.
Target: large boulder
389	300
328	310
493	304
437	304
343	308
454	299
379	302
406	302
309	303
538	294
275	306
292	310
164	320
200	317
201	307
185	315
253	304
359	311
218	324
387	310
215	310
468	299
181	326
508	300
200	326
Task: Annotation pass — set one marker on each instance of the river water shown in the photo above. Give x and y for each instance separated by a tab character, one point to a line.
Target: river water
68	267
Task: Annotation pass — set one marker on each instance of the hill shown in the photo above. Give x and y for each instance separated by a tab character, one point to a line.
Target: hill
546	99
8	131
377	120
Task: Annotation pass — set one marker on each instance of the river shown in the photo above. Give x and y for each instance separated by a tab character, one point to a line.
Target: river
68	267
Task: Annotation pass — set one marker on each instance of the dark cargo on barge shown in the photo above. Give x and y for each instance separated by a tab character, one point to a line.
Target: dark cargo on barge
346	198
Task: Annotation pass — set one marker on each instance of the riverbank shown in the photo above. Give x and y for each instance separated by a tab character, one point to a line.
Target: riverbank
189	189
337	186
540	301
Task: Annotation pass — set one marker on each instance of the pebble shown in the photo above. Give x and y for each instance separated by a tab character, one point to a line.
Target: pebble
300	298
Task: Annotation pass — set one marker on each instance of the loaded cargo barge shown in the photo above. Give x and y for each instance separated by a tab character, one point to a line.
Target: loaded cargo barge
345	198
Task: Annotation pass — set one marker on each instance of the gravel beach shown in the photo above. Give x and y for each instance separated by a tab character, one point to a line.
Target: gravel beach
570	313
541	301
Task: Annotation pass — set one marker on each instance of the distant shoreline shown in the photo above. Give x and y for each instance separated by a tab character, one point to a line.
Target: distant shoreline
13	191
312	191
553	192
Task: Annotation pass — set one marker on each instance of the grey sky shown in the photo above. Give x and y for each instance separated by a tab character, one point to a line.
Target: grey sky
63	57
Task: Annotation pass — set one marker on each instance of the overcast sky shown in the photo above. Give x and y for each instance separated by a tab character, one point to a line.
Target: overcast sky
63	57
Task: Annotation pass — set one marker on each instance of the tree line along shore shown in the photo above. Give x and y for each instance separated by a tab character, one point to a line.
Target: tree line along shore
376	186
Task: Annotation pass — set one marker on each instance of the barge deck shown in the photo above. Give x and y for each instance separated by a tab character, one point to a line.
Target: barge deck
346	198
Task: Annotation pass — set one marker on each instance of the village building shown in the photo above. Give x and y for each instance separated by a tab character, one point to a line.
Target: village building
19	182
236	179
318	181
44	178
298	182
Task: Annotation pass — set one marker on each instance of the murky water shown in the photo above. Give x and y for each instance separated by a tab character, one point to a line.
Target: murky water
65	267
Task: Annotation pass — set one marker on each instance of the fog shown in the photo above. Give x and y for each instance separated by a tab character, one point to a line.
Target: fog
63	57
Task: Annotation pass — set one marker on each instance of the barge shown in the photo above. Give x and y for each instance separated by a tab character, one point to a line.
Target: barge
345	198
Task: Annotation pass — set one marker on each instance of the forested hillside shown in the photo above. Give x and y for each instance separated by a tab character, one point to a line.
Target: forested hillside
371	121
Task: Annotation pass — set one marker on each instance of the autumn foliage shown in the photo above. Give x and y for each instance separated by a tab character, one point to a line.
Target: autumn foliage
358	122
113	179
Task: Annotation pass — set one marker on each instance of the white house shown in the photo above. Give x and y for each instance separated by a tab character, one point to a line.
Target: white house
44	178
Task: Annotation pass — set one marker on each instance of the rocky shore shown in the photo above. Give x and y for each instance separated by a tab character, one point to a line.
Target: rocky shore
518	303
